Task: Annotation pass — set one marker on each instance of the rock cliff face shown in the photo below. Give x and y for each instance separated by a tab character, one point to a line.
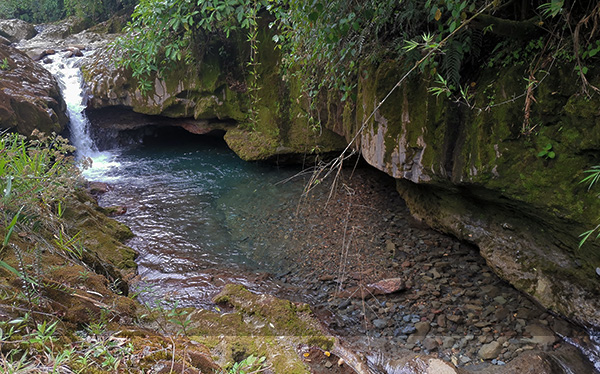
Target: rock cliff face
214	95
29	95
475	174
472	173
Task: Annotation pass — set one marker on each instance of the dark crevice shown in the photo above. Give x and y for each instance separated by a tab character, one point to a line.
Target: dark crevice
452	139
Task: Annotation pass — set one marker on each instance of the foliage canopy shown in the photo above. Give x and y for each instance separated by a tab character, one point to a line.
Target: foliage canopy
41	11
324	41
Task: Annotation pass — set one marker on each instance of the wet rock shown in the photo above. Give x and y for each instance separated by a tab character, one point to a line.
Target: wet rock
561	327
527	313
16	30
113	211
97	188
74	52
490	350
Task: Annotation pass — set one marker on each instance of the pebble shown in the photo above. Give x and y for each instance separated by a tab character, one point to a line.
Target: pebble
380	323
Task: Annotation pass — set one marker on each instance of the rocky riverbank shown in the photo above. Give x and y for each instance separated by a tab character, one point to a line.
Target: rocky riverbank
389	284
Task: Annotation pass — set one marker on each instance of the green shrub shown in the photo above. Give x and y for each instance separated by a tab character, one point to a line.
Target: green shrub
35	175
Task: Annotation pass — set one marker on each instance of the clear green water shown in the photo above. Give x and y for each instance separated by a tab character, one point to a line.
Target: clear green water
198	213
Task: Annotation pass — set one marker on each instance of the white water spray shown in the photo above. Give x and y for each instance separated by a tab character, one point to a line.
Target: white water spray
67	71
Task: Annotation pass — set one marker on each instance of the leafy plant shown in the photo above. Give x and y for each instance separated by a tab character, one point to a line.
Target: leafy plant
591	179
249	365
162	33
4	65
547	152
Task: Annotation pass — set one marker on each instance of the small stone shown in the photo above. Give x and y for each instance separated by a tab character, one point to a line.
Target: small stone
407	330
390	247
501	313
500	300
448	342
328	364
441	320
455	318
422	328
490	350
598	271
430	344
387	286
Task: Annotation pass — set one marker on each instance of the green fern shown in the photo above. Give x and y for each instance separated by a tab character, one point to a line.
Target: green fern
452	63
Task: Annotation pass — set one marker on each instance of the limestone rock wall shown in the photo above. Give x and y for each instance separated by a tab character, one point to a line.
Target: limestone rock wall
473	173
214	95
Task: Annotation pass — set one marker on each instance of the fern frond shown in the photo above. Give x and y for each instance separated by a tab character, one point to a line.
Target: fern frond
452	63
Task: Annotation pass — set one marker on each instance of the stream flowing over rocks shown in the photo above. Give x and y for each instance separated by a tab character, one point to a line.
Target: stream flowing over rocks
405	297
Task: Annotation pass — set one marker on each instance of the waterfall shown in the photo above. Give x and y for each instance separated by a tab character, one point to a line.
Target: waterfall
66	69
67	72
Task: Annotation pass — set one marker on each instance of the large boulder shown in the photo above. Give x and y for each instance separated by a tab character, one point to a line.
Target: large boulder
30	97
16	30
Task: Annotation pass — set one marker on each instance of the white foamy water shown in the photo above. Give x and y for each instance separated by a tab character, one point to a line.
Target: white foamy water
68	73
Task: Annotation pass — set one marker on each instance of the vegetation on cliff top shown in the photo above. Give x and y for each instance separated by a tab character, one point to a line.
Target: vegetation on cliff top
326	40
40	11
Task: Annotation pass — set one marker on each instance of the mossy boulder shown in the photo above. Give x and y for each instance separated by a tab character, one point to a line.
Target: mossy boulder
259	325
